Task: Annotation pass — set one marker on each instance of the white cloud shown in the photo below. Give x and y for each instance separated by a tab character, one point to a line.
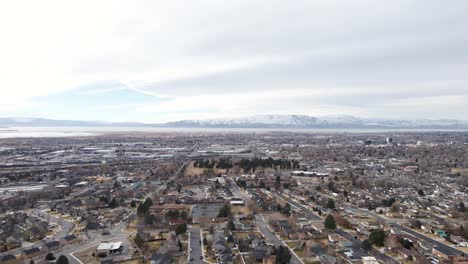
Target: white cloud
218	58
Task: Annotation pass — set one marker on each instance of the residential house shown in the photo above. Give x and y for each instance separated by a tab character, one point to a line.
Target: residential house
160	258
67	240
51	246
326	259
31	252
9	259
171	245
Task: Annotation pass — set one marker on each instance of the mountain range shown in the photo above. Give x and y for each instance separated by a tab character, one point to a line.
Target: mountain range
258	121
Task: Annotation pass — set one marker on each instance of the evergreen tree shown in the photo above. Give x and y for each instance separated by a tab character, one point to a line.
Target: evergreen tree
231	226
145	206
49	256
113	203
181	229
366	245
286	210
225	211
331	203
149	219
183	215
330	222
377	237
277	182
179	244
262	184
389	202
283	256
62	260
138	240
148	202
461	207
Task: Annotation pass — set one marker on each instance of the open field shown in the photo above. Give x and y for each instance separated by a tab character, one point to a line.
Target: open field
193	171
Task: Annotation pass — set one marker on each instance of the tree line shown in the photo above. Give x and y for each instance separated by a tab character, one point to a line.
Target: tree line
248	164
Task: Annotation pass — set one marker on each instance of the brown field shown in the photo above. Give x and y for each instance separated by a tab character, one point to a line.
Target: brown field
135	261
241	234
193	171
240	210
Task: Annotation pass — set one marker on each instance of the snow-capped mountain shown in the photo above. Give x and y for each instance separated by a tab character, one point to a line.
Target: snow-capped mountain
285	120
304	121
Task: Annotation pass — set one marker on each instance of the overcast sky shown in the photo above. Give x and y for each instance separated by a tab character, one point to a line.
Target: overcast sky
157	61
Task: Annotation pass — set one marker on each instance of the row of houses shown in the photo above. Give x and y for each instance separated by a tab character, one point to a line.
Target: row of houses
29	253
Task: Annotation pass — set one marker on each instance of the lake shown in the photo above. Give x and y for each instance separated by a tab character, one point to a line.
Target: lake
24	132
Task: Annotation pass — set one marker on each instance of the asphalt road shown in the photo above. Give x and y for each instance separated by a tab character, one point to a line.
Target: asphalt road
195	246
448	250
310	214
266	231
356	243
438	245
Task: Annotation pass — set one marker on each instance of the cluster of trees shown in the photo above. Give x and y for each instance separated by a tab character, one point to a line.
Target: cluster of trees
176	214
50	257
144	207
261	184
248	164
210	164
143	210
113	203
286	210
283	164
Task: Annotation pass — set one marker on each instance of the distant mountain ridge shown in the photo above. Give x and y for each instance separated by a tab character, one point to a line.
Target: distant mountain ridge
258	121
304	121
